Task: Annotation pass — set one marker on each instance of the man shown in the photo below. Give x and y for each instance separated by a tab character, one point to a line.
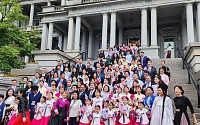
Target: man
58	70
76	64
81	67
36	79
14	87
115	50
98	61
34	98
100	76
62	81
140	72
91	92
144	59
25	82
46	77
89	71
135	77
67	73
128	57
152	70
165	68
147	83
82	93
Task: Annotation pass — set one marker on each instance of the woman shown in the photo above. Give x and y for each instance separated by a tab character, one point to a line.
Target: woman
55	77
101	54
162	109
168	51
74	109
110	53
157	81
28	87
133	88
164	77
115	57
181	104
61	110
149	99
74	73
24	115
51	76
9	101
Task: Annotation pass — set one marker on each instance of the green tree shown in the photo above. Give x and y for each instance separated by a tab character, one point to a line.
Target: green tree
14	43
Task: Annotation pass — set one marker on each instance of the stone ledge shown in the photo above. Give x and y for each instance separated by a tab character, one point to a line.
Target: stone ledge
151	52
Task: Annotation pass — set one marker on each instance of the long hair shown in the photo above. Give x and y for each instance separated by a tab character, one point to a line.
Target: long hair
7	93
164	88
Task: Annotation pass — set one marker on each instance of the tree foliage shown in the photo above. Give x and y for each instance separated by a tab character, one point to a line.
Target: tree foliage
14	43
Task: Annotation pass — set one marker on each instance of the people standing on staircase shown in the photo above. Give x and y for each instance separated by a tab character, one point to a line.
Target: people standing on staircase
44	74
165	68
14	87
25	82
36	79
164	77
181	104
168	51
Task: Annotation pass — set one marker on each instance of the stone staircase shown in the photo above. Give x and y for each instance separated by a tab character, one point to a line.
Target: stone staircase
179	76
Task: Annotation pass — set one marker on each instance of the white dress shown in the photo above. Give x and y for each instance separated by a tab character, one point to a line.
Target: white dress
124	119
40	107
156	111
110	121
97	101
84	118
142	113
96	119
47	110
10	100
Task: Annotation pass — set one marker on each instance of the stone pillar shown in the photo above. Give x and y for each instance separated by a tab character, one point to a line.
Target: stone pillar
190	22
90	44
198	20
31	15
104	31
120	39
65	43
77	33
50	36
153	26
60	41
26	59
70	33
83	45
44	36
63	2
49	3
113	29
144	27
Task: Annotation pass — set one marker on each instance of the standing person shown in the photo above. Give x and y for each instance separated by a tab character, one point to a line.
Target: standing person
25	82
142	115
14	87
101	54
144	59
128	57
14	111
149	99
181	104
74	109
61	110
2	108
158	81
164	77
9	101
24	116
91	91
36	79
34	98
165	68
162	109
168	51
44	74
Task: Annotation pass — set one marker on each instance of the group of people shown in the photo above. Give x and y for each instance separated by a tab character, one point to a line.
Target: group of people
120	89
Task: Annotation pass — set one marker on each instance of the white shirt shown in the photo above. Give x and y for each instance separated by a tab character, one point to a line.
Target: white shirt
110	121
47	110
97	101
105	95
142	113
128	58
84	117
40	107
75	108
10	100
124	119
96	119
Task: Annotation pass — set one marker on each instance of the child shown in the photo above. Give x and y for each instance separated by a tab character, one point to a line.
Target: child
110	115
141	113
37	120
139	96
96	117
105	93
97	100
85	113
2	108
14	111
126	112
48	108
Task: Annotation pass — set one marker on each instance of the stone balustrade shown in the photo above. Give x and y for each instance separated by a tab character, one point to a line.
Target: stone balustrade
52	8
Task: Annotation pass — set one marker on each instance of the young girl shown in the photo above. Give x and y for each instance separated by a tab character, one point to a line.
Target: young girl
125	112
74	108
24	115
96	117
48	108
61	110
142	115
14	111
110	116
37	120
139	96
105	93
85	113
97	100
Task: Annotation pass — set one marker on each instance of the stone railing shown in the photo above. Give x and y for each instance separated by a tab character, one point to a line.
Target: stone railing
93	1
52	8
76	2
31	28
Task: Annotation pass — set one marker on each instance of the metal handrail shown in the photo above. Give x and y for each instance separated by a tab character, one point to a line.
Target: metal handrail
190	78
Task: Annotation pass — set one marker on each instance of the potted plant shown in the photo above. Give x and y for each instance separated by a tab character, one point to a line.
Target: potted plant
32	65
9	77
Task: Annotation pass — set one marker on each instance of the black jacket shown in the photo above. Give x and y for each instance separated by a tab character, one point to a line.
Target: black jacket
23	106
82	98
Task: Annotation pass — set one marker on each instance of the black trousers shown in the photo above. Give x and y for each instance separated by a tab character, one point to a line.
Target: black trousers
73	121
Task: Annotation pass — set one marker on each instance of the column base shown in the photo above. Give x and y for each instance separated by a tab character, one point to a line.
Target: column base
151	52
29	28
73	53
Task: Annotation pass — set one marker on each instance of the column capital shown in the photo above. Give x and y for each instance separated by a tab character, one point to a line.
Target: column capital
114	12
189	3
144	8
153	7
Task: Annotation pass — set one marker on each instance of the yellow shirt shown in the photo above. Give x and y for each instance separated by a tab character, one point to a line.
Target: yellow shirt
43	91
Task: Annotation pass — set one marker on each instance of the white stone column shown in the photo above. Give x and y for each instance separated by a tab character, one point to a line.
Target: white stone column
190	22
198	20
153	26
113	29
50	36
83	44
63	2
120	37
26	59
60	41
31	15
144	27
90	44
44	36
65	43
49	3
104	31
77	33
70	33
